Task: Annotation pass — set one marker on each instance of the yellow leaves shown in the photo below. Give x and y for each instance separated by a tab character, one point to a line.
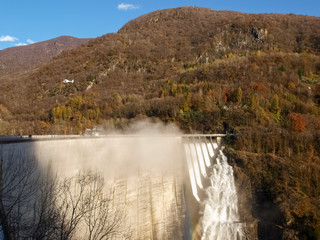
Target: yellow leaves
258	53
4	112
107	109
303	208
254	101
186	107
56	113
79	109
162	93
174	89
275	108
76	102
291	85
239	95
174	68
44	124
61	112
228	55
116	100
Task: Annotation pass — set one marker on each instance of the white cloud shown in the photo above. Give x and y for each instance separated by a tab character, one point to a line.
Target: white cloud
20	44
8	38
30	41
127	6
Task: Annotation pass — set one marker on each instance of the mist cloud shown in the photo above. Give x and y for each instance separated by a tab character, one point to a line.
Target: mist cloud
147	127
145	145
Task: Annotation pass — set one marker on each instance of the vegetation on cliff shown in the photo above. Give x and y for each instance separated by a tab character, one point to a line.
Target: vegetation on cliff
256	77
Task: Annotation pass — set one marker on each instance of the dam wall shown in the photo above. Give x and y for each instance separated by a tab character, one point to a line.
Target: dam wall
157	180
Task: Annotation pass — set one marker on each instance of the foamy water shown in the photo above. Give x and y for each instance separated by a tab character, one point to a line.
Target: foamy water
220	215
220	218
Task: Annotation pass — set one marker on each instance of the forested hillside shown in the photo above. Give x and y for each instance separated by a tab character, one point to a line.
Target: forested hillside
256	77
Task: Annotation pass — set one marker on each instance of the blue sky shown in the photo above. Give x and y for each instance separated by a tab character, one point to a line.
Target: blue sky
25	22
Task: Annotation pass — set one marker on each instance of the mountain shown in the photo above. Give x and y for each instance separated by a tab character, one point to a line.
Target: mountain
18	62
254	76
23	58
149	47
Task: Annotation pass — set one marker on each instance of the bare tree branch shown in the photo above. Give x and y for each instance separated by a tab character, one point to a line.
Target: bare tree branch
37	205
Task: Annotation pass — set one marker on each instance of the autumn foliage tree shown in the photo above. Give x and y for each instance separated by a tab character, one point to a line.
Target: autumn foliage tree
298	122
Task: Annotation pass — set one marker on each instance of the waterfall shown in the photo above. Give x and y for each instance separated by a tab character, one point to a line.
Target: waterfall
217	197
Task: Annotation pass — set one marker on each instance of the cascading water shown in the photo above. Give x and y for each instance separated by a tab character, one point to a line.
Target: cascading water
220	219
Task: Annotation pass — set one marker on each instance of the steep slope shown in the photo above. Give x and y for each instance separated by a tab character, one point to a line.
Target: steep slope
18	62
157	45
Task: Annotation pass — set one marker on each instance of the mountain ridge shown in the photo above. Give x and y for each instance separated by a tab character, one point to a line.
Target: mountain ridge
158	45
35	54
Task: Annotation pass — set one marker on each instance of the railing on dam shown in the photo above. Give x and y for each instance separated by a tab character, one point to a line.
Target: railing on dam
23	138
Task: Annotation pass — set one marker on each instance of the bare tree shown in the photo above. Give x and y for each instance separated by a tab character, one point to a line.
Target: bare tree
84	202
19	187
3	215
45	213
103	219
37	205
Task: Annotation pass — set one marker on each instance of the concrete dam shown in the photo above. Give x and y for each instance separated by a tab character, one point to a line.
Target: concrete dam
167	186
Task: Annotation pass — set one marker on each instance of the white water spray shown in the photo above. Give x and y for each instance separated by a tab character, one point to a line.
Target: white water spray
220	215
220	218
